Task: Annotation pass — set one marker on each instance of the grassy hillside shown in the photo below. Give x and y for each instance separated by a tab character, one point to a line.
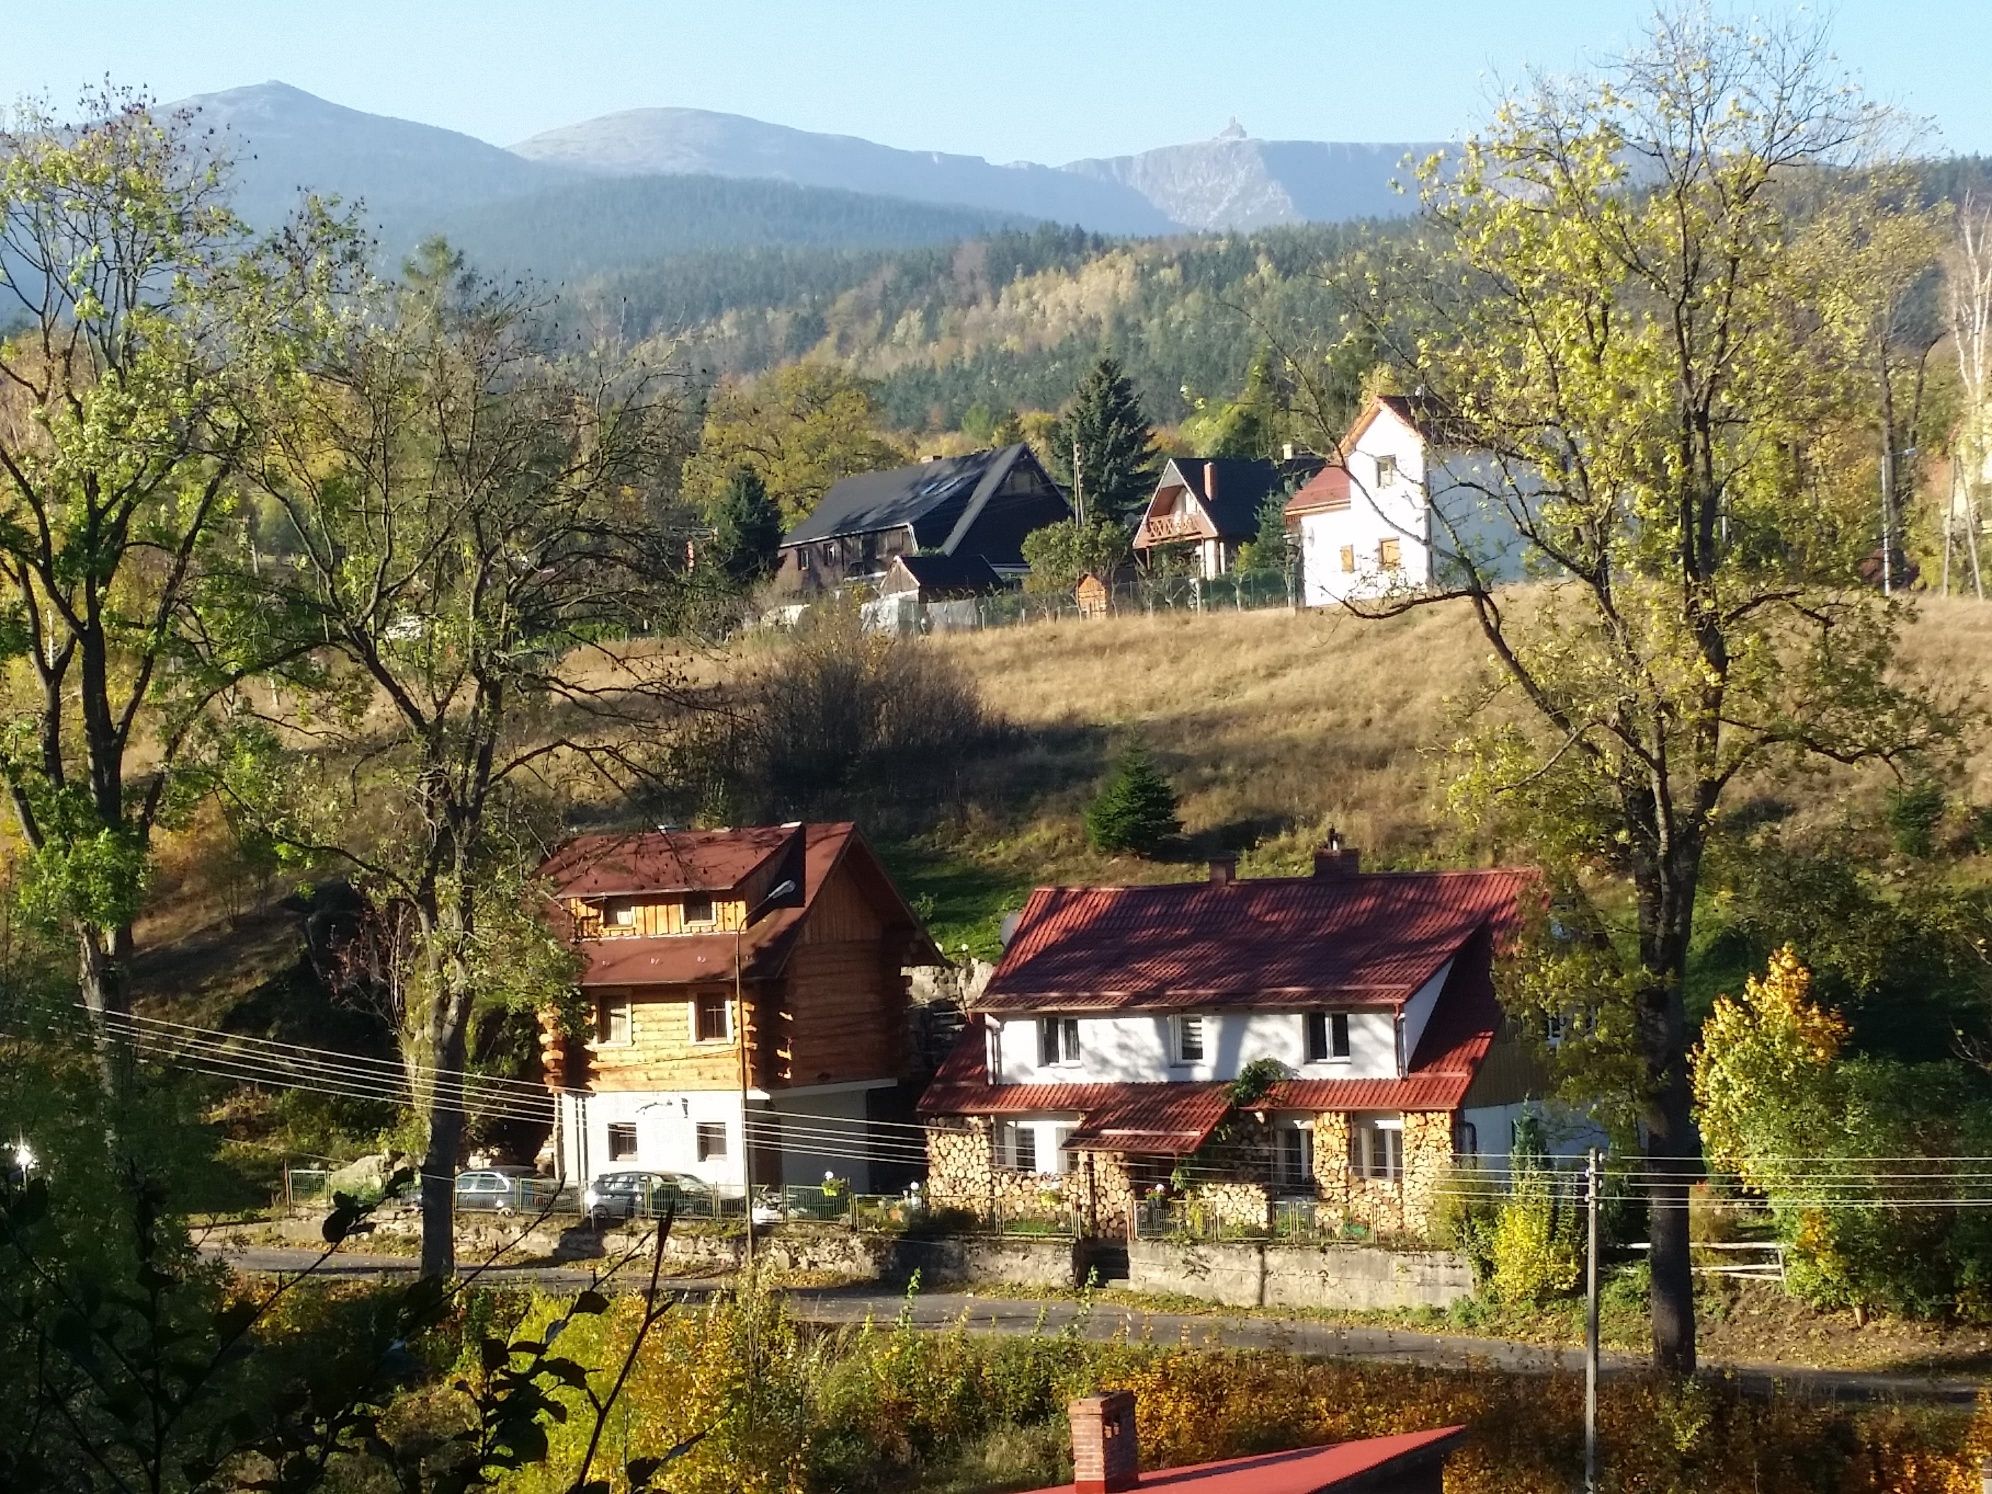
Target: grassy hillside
1273	726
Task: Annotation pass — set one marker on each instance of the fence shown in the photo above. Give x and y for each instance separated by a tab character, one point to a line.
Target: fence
1240	592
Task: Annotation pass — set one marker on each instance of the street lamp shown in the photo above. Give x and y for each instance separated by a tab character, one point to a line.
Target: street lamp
775	895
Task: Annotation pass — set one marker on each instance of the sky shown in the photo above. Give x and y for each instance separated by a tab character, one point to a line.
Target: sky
1006	79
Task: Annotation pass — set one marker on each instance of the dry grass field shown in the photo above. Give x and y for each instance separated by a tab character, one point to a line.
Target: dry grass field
1273	726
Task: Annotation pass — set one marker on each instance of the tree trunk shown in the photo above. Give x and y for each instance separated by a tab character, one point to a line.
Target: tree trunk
444	1117
1666	927
103	980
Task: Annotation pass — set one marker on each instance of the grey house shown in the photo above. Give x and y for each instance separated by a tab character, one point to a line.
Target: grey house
974	507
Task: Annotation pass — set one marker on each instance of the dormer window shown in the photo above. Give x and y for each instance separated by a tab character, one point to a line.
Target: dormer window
698	910
619	915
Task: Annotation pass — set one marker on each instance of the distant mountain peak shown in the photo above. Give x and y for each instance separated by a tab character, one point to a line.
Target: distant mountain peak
1233	131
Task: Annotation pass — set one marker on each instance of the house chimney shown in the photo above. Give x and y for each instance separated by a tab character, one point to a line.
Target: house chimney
1286	451
1105	1458
1210	482
1223	869
1335	859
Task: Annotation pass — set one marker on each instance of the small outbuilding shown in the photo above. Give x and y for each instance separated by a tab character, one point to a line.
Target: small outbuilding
938	578
1093	595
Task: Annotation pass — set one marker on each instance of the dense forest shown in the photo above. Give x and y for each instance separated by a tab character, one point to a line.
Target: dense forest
1009	321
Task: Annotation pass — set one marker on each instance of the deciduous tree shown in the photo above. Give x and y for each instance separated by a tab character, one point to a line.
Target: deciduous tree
474	520
1639	315
155	330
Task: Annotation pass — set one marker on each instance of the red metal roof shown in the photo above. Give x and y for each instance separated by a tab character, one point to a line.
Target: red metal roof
587	865
1369	939
1152	1120
665	860
1327	489
1306	1470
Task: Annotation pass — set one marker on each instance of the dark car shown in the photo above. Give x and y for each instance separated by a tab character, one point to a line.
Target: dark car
637	1195
500	1190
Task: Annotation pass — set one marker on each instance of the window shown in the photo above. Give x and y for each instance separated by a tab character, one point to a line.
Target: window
1469	1139
1376	1148
612	1023
1386	471
1020	1146
1327	1036
622	1141
802	559
712	1019
712	1141
1187	1039
698	910
1390	554
1293	1157
1058	1041
1349	559
619	915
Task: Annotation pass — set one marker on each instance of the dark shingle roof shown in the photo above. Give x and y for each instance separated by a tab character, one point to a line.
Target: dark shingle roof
935	497
1243	485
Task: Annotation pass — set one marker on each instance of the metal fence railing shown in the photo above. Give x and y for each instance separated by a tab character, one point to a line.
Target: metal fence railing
1239	592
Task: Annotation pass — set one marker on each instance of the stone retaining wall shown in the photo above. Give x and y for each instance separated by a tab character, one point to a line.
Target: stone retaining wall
1343	1277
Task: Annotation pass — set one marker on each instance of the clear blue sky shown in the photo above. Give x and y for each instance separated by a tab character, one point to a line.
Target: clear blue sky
1006	79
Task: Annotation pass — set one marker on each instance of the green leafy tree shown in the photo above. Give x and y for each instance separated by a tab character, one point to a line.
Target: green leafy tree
1636	310
152	329
1060	554
746	529
1256	424
1103	447
1136	809
473	513
799	429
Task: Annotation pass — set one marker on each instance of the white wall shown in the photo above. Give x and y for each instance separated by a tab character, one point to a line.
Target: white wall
1136	1049
1569	1133
1418	1010
823	1132
1458	487
666	1132
1376	512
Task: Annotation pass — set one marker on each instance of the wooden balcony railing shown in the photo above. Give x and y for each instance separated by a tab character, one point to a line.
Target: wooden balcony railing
1171	527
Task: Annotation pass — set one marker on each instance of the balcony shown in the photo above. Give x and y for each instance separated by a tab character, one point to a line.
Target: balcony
1170	527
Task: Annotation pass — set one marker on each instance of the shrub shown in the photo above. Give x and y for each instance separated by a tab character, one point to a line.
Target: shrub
1533	1251
1136	810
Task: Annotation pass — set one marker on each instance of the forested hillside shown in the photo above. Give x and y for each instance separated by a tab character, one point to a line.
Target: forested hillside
1007	322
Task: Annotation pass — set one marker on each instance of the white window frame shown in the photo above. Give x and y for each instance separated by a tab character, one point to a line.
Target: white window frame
1336	1043
619	914
1058	1042
1386	471
1012	1142
1180	1028
605	1008
726	1008
626	1128
1361	1158
1283	1175
703	1132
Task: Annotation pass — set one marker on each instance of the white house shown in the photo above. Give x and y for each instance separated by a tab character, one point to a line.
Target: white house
1402	509
1100	1058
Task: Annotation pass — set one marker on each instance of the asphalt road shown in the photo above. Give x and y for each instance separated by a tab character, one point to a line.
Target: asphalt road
1101	1320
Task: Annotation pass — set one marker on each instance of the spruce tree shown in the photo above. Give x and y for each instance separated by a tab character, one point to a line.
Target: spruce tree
1115	445
1136	810
747	528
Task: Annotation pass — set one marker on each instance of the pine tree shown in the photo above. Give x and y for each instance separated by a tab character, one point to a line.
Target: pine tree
1136	811
1115	445
747	528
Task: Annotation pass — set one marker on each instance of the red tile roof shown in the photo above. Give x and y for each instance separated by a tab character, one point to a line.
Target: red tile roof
1365	1464
591	862
1370	939
1154	1118
1327	489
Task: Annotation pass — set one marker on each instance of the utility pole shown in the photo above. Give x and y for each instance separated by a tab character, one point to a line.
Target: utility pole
1078	484
1591	1325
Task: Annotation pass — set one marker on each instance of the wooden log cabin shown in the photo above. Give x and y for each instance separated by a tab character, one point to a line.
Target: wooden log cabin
730	976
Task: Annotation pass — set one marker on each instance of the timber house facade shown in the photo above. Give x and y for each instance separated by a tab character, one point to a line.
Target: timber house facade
730	976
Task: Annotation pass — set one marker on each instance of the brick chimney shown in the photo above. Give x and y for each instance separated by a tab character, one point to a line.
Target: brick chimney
1335	859
1210	482
1223	869
1105	1457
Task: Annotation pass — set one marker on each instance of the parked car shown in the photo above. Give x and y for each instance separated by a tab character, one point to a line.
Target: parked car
638	1195
502	1190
